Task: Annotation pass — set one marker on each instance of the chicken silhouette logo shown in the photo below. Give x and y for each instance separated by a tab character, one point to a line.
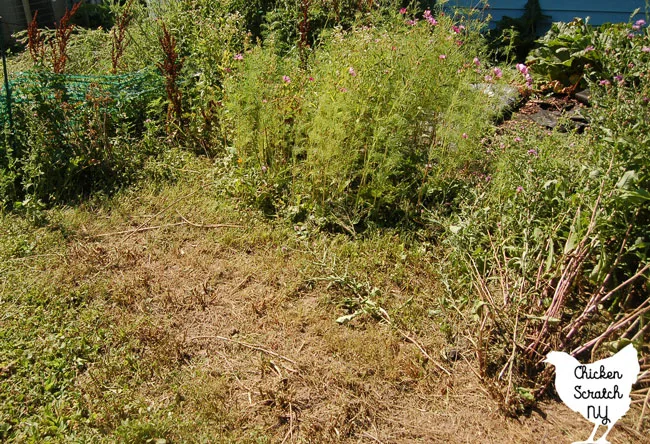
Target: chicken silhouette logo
599	391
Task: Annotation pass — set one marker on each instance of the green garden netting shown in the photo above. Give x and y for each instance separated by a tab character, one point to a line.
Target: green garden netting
124	93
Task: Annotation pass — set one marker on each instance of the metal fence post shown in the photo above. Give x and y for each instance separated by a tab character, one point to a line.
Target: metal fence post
4	69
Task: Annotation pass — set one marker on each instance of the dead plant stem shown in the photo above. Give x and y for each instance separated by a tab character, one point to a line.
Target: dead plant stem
247	345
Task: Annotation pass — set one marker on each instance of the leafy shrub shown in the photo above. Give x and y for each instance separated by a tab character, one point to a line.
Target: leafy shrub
576	52
65	146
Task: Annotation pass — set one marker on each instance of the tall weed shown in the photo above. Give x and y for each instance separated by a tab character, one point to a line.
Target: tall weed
383	118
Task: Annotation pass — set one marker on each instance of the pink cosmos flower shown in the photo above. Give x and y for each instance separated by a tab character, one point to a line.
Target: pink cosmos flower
639	23
517	139
520	189
590	48
488	78
352	72
464	136
498	73
402	11
412	22
238	57
476	61
532	152
286	79
645	49
311	79
442	56
604	82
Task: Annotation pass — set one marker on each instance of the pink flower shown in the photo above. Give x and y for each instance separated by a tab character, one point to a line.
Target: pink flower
464	136
429	18
590	48
442	56
488	78
238	57
520	189
476	61
645	49
532	152
412	22
352	72
286	79
517	139
402	11
522	68
630	36
456	29
639	23
604	82
344	90
311	79
498	73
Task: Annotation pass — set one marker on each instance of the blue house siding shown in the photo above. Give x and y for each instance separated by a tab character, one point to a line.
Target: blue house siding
598	11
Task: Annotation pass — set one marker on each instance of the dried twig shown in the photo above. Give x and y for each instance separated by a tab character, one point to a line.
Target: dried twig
424	352
645	404
156	227
247	345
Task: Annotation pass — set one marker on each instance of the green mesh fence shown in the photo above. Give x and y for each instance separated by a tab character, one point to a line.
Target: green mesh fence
124	93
